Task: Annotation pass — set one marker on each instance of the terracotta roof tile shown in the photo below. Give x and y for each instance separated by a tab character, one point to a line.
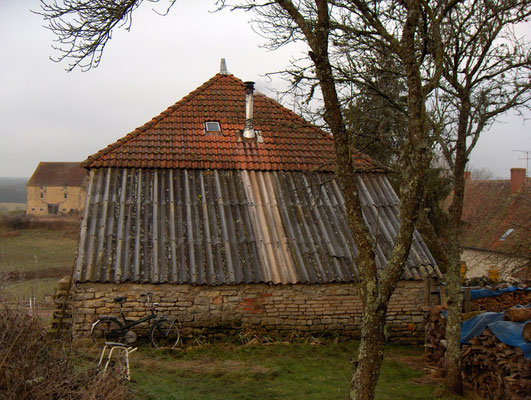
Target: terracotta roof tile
176	138
58	174
490	210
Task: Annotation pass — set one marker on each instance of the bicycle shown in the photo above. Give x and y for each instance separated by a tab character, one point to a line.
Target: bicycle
164	331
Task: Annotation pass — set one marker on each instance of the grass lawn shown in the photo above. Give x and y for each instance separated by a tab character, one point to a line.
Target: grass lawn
277	371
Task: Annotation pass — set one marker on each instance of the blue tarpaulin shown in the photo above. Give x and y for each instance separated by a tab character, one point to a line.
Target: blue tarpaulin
479	293
474	326
506	331
511	333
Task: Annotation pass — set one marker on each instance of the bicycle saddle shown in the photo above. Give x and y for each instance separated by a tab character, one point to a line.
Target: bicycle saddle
120	299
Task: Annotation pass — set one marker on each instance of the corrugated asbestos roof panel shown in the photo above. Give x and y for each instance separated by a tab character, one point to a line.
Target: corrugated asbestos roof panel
218	227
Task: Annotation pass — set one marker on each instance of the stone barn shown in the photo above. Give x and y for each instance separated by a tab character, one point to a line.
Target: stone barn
56	189
225	207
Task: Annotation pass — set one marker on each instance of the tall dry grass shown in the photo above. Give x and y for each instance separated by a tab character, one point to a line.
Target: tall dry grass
36	365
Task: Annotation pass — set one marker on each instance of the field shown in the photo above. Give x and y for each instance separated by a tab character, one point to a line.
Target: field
8	207
32	260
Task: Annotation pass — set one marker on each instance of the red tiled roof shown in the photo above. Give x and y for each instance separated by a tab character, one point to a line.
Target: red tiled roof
58	174
490	210
176	138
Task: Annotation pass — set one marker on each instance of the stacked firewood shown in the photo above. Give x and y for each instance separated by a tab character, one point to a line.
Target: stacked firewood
491	368
495	370
502	302
435	328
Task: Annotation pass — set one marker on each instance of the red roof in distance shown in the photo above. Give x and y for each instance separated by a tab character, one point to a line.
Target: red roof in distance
177	139
496	219
58	174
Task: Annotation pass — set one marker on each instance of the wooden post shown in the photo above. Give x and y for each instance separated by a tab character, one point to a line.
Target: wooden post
427	291
467	300
443	295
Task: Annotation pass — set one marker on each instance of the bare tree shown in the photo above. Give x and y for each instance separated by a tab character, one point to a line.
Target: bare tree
481	174
410	32
487	72
83	27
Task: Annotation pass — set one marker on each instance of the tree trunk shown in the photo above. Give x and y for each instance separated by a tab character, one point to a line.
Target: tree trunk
453	272
371	352
375	289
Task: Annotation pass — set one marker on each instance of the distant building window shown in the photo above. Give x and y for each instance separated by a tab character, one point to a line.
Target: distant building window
53	209
212	126
506	234
65	195
32	209
42	195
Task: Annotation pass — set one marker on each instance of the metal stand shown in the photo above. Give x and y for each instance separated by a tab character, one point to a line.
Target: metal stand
125	350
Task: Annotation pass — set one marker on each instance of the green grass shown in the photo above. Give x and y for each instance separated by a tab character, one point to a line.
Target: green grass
44	251
278	371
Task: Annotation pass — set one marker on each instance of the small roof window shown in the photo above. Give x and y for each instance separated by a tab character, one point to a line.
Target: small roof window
506	234
212	126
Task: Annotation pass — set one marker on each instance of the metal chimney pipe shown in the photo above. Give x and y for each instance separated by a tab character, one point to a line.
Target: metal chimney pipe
223	67
248	130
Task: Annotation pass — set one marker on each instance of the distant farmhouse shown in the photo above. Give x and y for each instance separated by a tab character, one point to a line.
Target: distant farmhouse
56	188
497	231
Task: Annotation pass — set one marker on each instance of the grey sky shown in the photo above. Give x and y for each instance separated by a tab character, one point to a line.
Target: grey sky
47	114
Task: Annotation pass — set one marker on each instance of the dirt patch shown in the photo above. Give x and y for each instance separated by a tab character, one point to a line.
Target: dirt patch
205	366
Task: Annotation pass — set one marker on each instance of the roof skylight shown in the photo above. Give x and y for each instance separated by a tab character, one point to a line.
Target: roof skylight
212	126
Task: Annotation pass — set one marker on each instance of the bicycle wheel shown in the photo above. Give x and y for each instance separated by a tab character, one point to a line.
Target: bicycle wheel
106	329
164	333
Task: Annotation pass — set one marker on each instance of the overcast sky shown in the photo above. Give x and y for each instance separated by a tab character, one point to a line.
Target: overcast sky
47	114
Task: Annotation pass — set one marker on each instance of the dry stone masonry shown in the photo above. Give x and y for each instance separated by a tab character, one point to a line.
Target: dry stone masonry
220	311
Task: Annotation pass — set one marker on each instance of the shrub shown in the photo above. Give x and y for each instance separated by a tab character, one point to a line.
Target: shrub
36	365
14	221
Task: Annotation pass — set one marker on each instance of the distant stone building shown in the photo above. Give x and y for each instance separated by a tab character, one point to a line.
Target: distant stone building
56	188
497	226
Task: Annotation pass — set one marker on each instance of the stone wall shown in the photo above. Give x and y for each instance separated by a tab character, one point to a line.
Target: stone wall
69	199
279	309
479	262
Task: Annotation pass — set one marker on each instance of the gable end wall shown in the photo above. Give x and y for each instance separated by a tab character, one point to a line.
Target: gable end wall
37	199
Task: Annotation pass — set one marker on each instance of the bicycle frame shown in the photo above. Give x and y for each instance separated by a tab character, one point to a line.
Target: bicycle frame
130	323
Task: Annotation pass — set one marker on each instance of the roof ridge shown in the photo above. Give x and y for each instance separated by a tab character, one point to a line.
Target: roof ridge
168	111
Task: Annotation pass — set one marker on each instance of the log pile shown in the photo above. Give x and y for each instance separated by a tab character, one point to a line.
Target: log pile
495	370
502	302
435	329
517	314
